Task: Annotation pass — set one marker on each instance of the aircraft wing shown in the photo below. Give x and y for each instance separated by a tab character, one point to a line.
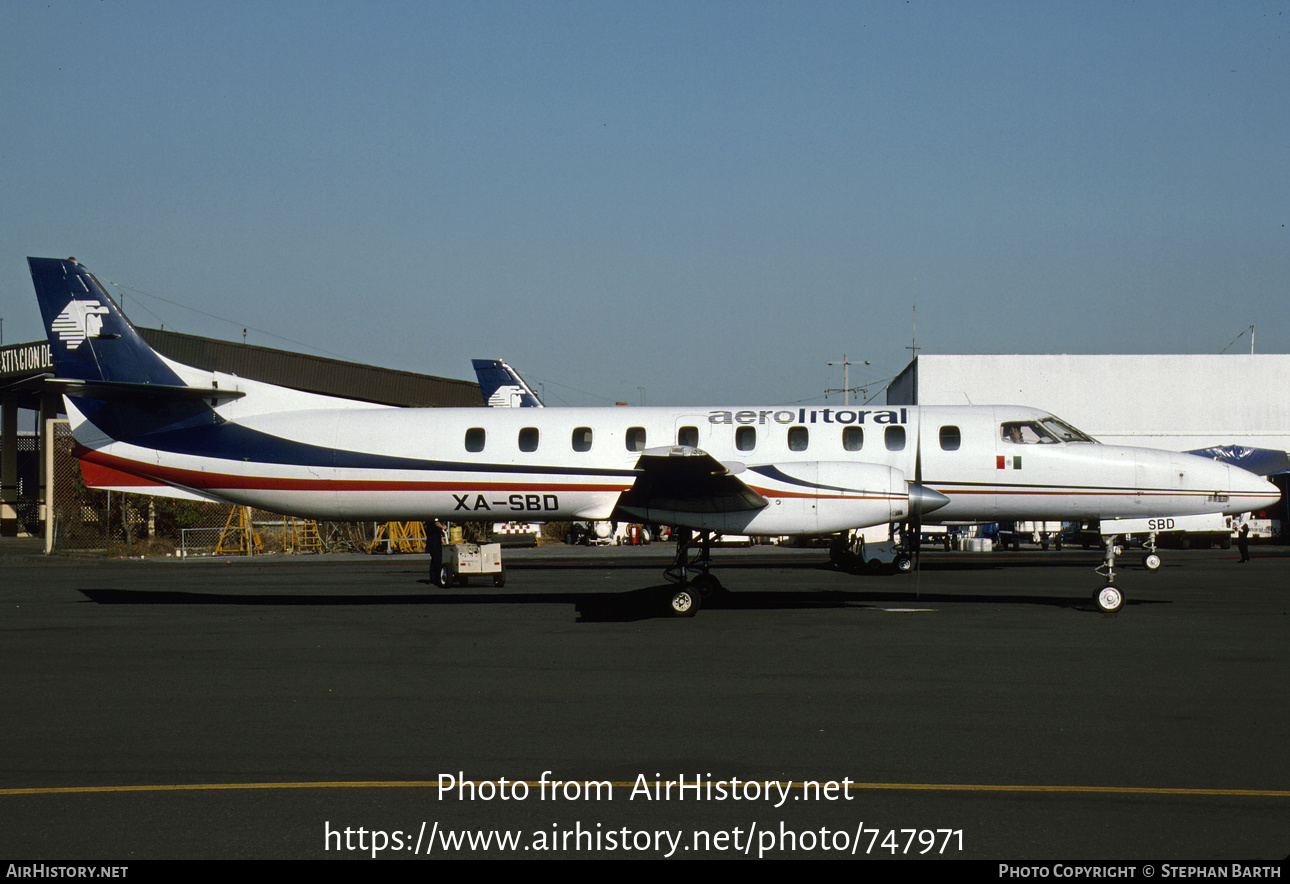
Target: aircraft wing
681	479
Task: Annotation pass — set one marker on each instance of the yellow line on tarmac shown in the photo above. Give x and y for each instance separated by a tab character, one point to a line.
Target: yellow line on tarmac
831	785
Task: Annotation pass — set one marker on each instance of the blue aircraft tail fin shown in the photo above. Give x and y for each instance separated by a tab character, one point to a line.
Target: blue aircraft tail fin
89	337
1260	461
502	386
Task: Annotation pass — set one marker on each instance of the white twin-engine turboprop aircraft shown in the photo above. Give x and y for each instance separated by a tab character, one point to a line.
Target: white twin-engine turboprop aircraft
141	417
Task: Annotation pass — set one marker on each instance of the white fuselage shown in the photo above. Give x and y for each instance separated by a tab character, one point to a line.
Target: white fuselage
820	469
777	470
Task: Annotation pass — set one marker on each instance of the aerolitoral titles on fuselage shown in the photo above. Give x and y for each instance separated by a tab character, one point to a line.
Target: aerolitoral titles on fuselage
786	416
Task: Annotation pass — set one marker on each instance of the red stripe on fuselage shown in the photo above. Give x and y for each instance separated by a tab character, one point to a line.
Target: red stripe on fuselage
99	475
213	482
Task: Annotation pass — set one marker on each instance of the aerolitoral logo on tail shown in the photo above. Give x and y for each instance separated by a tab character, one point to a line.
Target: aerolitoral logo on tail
78	321
509	396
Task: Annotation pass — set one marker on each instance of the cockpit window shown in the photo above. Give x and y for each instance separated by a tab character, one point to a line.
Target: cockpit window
1025	433
1064	431
1044	431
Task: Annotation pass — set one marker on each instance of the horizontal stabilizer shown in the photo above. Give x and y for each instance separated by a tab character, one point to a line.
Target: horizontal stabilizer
120	390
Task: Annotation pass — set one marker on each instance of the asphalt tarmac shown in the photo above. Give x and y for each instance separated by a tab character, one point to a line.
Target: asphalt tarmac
311	707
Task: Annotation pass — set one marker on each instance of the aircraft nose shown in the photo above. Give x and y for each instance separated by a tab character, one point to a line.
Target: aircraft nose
1228	488
1245	491
1258	492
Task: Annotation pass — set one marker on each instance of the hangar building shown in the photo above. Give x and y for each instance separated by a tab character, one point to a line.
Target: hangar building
1174	402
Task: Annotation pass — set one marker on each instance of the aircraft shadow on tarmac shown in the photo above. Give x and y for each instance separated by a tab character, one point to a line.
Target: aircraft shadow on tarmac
1002	562
645	603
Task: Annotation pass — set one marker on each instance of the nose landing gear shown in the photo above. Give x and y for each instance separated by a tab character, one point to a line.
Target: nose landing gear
1109	599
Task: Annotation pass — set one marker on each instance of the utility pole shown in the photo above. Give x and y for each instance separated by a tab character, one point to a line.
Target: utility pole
846	380
913	347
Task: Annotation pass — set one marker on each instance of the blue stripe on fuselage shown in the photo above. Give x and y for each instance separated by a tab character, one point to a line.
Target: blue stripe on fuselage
230	441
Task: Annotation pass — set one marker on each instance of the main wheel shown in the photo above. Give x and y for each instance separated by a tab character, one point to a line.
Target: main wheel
904	564
706	585
1151	562
684	602
1108	599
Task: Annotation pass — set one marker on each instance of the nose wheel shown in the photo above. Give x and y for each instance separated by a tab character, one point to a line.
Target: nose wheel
1108	599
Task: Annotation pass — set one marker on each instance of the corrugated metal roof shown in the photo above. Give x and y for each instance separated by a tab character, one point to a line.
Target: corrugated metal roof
314	374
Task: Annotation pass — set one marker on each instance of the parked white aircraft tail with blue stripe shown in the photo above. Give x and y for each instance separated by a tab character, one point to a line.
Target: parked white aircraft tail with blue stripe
502	387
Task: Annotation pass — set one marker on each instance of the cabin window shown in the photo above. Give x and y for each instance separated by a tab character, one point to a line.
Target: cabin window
852	438
528	439
951	438
798	438
745	438
635	438
894	437
688	436
582	439
475	439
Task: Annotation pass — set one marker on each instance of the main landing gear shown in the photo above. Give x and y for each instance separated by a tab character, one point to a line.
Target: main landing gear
690	572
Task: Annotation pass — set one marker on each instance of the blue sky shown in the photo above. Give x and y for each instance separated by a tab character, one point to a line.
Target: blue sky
706	200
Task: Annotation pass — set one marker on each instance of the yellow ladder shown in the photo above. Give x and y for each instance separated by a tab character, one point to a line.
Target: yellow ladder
406	537
239	537
301	535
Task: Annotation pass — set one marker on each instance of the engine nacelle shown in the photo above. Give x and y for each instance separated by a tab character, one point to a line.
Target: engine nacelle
810	497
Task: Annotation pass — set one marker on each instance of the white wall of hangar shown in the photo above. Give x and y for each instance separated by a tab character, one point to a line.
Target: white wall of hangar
1177	402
